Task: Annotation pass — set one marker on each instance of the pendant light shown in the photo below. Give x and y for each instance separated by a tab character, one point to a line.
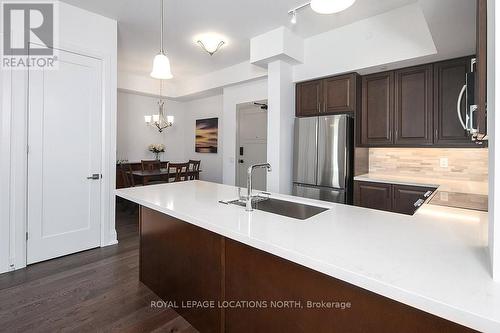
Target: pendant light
161	63
330	6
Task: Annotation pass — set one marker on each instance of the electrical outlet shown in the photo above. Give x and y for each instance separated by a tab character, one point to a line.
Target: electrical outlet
443	162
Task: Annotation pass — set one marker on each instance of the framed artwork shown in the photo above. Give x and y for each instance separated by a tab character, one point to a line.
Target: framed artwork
207	135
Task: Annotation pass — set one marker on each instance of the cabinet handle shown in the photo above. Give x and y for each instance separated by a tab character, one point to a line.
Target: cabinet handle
419	203
324	107
319	107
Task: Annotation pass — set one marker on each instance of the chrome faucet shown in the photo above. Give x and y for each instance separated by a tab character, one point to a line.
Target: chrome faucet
249	182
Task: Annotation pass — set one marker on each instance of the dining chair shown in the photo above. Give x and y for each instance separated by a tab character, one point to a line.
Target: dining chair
148	165
127	176
181	171
194	166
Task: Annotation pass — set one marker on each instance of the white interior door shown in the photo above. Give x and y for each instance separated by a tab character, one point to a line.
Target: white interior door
65	147
252	146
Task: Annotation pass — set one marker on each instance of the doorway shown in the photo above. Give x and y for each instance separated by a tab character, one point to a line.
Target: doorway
251	143
64	158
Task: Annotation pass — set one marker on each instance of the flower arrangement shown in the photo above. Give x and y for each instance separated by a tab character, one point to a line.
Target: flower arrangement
157	149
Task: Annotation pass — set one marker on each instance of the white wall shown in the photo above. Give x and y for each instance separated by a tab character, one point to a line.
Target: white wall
4	170
234	95
134	137
210	107
494	143
398	35
81	32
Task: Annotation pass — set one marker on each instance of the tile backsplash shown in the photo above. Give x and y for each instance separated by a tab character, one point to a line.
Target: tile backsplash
469	164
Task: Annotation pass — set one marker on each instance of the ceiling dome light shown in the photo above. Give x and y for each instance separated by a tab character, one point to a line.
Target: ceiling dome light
330	6
210	43
161	67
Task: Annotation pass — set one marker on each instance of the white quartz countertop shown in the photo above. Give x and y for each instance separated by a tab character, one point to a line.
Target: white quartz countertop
435	261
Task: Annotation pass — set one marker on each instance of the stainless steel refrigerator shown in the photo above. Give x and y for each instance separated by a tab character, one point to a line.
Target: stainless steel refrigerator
323	158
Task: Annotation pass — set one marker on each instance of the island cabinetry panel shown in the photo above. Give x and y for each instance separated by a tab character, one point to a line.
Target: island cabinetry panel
254	291
180	263
301	300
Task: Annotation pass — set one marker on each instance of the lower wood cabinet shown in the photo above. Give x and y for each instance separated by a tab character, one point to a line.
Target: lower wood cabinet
400	199
250	291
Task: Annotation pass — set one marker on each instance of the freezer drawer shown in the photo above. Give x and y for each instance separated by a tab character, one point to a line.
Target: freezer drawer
305	155
320	193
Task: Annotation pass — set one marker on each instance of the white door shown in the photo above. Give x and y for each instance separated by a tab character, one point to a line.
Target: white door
252	146
65	147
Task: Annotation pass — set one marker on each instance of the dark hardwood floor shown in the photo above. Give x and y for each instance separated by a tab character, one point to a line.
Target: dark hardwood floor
91	291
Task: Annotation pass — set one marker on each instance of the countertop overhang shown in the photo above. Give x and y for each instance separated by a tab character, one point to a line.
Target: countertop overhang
435	261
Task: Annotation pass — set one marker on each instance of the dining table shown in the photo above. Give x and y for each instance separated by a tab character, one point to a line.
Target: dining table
163	174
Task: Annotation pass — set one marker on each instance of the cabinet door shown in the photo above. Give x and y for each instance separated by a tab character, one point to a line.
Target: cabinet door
339	94
449	79
309	99
413	106
373	195
377	109
406	198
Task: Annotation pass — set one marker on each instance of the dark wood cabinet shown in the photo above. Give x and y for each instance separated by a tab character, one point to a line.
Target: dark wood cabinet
309	98
407	199
220	285
373	195
449	79
402	199
416	106
377	111
328	96
339	94
180	262
413	106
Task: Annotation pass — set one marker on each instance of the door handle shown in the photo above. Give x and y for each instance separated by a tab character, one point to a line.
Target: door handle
419	203
95	176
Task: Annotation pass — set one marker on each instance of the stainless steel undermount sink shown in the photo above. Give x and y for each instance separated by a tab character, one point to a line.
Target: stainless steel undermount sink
281	207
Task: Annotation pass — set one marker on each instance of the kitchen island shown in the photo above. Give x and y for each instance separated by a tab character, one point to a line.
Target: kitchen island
397	273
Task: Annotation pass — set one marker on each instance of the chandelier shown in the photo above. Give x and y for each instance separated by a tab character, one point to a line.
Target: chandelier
160	121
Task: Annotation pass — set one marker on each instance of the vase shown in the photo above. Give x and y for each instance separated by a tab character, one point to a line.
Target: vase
157	156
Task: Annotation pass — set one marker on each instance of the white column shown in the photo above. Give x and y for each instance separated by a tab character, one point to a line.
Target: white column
281	115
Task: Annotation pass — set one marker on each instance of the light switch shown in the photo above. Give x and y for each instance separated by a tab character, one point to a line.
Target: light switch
443	162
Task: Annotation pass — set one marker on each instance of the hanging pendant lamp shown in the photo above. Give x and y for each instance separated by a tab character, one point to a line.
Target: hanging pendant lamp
161	63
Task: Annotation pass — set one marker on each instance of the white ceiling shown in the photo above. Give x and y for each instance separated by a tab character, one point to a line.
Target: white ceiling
238	20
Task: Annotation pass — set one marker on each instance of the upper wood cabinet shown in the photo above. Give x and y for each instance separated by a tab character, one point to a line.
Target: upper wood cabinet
328	96
339	94
413	106
377	111
309	98
449	78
